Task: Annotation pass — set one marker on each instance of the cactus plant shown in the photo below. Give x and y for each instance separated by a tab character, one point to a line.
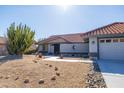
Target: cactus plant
19	38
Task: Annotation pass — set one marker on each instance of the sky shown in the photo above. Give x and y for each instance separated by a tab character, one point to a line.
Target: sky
49	20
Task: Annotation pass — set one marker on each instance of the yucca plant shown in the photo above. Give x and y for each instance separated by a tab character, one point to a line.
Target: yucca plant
20	38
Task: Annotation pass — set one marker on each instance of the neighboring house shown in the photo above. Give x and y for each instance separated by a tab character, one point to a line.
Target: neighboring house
106	42
3	49
68	45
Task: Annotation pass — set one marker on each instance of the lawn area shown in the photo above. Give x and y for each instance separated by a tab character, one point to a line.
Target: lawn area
29	73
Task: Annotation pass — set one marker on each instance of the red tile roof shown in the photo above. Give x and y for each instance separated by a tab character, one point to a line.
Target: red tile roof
114	28
111	29
67	38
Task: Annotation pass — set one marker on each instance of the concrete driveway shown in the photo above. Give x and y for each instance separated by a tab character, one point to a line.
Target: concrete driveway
56	58
113	73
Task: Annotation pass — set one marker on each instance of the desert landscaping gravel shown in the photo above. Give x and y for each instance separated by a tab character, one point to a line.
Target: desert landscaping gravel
26	73
94	77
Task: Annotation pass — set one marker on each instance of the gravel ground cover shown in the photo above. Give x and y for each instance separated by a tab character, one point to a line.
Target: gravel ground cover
94	78
30	72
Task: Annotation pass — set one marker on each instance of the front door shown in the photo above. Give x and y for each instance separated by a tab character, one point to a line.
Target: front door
56	49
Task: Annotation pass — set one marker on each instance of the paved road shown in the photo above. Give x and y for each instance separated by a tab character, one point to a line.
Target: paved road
113	73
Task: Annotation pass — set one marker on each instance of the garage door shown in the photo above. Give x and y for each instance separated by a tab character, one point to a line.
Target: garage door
112	49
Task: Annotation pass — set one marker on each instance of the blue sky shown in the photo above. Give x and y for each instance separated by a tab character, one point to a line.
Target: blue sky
52	20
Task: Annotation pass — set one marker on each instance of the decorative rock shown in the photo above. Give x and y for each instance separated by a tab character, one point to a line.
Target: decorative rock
1	77
16	78
7	77
94	78
40	55
34	61
26	81
50	65
56	68
61	56
53	78
58	74
41	81
87	81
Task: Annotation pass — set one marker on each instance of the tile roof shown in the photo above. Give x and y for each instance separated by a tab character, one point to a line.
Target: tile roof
114	28
110	29
66	38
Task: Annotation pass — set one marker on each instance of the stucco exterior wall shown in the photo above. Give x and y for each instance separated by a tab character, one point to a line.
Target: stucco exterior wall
82	47
93	47
69	49
93	44
40	48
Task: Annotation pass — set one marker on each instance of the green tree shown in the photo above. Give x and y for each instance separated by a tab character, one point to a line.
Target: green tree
19	38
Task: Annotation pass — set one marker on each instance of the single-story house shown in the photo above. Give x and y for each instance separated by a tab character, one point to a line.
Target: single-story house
68	45
3	49
105	42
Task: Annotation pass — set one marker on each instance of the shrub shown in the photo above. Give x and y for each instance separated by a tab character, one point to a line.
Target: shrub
19	38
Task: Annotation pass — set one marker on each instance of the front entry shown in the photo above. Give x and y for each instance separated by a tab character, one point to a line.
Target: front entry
56	49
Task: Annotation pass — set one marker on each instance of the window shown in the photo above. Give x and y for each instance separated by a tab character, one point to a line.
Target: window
102	41
122	40
108	40
45	47
115	40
